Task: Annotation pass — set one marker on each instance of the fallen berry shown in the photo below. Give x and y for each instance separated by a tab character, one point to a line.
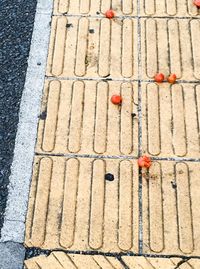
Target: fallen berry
116	99
159	77
172	78
144	161
197	3
110	14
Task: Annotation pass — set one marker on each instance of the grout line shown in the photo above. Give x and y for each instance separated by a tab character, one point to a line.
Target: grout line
101	16
176	159
50	78
38	251
140	247
125	157
93	156
21	170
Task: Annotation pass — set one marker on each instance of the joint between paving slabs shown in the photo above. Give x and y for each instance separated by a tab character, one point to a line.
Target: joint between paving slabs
34	252
179	81
101	16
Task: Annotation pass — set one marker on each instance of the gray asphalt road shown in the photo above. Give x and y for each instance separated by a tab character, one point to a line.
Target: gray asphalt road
16	25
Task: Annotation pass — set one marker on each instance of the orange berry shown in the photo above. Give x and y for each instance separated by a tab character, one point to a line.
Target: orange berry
159	77
172	78
144	162
110	14
116	99
197	3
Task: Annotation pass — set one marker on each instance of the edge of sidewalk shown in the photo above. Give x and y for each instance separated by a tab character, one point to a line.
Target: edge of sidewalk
21	170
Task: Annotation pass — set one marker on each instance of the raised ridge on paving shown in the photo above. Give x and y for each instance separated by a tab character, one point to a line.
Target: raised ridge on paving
171	213
170	46
72	206
80	118
160	263
171	120
95	48
95	7
134	262
60	260
162	8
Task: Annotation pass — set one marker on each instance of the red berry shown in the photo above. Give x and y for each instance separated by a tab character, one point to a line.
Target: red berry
172	78
159	77
197	3
116	99
110	14
144	161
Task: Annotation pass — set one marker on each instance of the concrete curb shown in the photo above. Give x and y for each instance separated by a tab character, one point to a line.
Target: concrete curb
21	170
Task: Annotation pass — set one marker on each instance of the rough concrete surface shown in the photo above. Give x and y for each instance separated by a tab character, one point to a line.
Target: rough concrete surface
11	255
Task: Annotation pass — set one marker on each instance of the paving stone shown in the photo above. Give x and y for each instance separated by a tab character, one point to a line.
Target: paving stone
168	8
150	263
58	260
171	208
72	206
93	47
95	7
78	117
171	46
170	119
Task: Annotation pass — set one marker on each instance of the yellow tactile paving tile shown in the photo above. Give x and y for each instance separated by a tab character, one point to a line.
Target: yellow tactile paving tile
95	7
72	206
80	118
171	120
60	260
171	210
150	263
184	8
88	47
171	46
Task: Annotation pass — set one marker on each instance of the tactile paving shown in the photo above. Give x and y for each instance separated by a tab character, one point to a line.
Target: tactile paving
171	210
95	48
170	119
60	260
95	7
170	46
162	8
72	206
80	118
150	263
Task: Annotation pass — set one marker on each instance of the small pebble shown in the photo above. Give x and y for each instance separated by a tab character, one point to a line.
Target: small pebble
109	177
91	31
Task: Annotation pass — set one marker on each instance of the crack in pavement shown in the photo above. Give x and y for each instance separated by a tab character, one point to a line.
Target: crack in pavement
181	262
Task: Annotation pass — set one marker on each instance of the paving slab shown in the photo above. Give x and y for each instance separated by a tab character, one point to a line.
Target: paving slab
58	260
170	46
95	48
95	7
171	212
78	117
72	206
170	120
162	8
151	263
